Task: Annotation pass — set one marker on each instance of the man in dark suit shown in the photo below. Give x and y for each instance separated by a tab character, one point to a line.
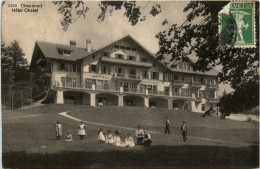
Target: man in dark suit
184	130
167	127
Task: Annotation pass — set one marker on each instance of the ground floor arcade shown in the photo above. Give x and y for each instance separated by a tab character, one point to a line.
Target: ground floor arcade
95	98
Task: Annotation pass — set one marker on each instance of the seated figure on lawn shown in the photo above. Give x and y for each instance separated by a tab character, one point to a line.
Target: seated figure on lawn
129	141
117	140
147	141
68	137
109	137
139	135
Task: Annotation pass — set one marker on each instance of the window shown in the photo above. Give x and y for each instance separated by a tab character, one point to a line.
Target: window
184	66
119	70
62	66
132	71
154	65
74	67
122	47
176	77
176	90
132	58
188	66
60	51
166	89
203	107
154	88
145	74
155	75
103	69
119	56
93	56
180	66
128	48
105	54
67	52
79	67
116	46
166	77
68	82
94	68
63	81
212	94
133	49
143	59
173	66
74	82
64	52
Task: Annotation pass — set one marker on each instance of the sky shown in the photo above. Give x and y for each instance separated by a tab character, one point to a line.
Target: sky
44	25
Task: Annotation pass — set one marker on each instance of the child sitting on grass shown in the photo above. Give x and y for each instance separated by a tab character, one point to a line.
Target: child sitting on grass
68	137
101	136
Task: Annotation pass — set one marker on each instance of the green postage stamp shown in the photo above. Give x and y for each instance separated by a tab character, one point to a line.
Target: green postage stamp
237	24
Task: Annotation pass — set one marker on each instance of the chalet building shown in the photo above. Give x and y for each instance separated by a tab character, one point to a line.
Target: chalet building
122	73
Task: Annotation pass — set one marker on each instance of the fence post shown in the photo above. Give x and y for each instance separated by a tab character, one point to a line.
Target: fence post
22	100
12	101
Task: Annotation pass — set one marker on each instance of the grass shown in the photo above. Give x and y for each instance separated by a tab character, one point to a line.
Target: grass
30	142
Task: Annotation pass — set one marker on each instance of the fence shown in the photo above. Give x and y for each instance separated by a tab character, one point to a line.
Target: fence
14	97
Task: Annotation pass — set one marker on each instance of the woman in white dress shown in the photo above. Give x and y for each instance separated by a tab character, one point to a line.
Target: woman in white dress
101	137
109	137
129	141
117	140
81	130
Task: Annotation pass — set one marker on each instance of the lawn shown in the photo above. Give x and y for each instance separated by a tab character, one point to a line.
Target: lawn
29	142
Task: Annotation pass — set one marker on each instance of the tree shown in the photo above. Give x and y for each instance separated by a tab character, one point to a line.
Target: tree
199	36
72	10
14	66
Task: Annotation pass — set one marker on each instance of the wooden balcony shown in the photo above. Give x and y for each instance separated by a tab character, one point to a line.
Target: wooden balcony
125	62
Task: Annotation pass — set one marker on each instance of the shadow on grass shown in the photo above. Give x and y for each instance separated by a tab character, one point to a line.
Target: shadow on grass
154	156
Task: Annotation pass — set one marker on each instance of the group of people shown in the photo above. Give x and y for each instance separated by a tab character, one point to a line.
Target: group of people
115	139
143	137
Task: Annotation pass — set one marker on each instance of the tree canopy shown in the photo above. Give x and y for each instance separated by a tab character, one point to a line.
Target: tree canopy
14	66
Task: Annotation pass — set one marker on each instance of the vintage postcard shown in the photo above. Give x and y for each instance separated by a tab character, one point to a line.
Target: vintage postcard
130	84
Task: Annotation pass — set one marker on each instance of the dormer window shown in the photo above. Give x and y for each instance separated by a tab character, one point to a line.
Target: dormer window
105	54
116	46
173	66
64	52
132	58
143	59
93	57
119	56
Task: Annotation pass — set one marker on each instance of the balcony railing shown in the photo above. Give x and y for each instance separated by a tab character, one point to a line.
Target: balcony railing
182	94
124	61
127	76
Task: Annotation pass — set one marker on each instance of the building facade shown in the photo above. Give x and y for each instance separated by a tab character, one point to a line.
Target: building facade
122	73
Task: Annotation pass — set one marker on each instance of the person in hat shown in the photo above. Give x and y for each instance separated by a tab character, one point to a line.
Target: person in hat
81	130
68	137
167	127
184	130
139	133
58	130
147	141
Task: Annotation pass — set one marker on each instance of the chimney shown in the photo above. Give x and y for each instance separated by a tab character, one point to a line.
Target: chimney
88	45
72	43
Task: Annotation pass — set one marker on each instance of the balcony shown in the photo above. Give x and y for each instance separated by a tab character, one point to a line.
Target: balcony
125	62
127	76
182	94
160	93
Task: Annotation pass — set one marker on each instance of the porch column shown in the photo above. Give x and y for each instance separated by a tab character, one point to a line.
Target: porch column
146	102
120	100
93	99
169	103
59	97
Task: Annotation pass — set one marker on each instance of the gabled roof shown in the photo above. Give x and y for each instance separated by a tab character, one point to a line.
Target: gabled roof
139	44
211	72
50	50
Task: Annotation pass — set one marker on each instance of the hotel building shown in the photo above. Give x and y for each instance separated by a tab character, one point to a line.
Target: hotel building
122	73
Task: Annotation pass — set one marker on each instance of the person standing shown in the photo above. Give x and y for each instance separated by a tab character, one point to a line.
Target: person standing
81	130
101	137
184	130
139	133
58	130
167	127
